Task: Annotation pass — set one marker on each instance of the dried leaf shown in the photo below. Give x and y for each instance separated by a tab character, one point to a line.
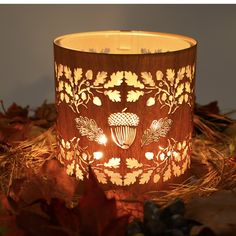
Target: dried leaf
113	95
116	80
17	111
147	78
145	177
114	162
134	95
131	178
132	163
131	79
100	78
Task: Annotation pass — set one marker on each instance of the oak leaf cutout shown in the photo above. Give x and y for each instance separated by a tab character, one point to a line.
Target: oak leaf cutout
180	90
100	176
131	79
134	95
100	78
147	78
114	162
77	75
167	174
78	173
115	178
132	163
130	178
116	80
145	177
113	95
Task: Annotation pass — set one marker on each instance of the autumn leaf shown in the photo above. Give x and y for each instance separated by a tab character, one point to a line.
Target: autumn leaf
114	162
94	214
131	79
113	95
147	78
116	80
17	111
100	78
145	177
132	163
130	178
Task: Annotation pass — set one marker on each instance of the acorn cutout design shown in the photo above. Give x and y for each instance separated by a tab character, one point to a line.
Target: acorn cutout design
123	128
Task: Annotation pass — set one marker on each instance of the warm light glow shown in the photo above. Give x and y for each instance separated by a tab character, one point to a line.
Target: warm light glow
102	139
149	155
97	155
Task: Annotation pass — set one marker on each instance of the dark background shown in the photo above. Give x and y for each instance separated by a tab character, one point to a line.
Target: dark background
27	33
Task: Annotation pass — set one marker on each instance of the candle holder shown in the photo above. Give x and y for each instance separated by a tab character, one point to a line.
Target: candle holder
125	106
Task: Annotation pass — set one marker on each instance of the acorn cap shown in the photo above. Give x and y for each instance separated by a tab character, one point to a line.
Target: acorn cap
123	119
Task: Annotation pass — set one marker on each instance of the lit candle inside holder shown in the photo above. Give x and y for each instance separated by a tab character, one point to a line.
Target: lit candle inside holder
125	106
